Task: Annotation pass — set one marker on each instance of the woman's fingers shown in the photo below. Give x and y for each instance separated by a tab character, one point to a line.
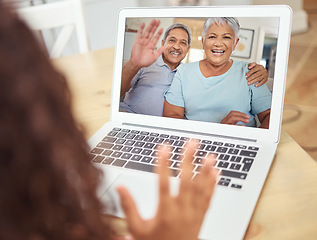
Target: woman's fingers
164	173
134	220
205	183
234	117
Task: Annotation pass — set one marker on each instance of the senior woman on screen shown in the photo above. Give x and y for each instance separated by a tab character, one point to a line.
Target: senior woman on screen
215	89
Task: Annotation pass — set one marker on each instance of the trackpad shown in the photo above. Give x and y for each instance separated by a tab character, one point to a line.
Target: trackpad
144	190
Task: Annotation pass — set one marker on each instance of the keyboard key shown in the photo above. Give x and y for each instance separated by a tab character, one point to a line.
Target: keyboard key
144	133
174	137
201	154
104	145
210	148
107	152
148	139
121	135
159	146
253	148
136	157
116	129
91	156
247	153
126	156
108	160
235	166
164	135
147	159
120	141
139	144
130	136
139	137
168	141
235	159
149	145
229	145
179	150
178	143
233	151
224	181
116	154
198	160
96	150
147	168
98	159
214	155
140	166
135	131
146	152
177	165
155	161
125	130
136	150
224	157
218	143
248	160
178	157
185	139
158	140
154	134
118	163
126	148
247	164
201	146
109	139
222	164
237	186
112	133
117	147
222	149
233	174
241	146
206	142
155	153
129	142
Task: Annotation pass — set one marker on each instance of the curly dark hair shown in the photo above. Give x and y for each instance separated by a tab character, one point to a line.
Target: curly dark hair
47	183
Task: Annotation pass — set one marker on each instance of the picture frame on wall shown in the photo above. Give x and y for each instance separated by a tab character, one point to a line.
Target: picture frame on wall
244	46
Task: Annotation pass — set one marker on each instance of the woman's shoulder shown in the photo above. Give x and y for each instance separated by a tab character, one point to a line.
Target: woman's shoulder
240	64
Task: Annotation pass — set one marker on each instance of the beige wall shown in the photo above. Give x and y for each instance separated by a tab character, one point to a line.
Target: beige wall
295	5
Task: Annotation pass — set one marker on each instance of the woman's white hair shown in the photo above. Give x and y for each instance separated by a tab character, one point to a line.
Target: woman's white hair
232	22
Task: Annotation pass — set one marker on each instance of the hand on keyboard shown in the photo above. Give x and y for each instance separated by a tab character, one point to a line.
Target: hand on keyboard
177	217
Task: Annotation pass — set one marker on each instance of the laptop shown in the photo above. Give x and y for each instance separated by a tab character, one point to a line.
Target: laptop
125	148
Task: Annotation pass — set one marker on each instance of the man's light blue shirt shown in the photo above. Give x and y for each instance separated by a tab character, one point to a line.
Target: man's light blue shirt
211	99
146	96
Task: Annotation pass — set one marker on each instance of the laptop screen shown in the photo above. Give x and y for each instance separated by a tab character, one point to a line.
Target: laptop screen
192	91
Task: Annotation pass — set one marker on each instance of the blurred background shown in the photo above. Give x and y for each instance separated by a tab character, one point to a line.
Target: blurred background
300	109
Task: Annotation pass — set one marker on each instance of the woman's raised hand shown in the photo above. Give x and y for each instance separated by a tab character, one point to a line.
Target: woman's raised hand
180	216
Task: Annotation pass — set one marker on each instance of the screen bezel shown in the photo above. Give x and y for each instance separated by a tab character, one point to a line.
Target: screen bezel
271	134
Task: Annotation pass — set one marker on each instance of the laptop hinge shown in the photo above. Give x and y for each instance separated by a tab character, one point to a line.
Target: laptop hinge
191	132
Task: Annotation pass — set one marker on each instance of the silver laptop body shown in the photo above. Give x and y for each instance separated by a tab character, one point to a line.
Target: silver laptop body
236	195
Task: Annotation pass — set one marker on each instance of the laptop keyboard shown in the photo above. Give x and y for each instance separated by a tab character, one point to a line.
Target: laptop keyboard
138	150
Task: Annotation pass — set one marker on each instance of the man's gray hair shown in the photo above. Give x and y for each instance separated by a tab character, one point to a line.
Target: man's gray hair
180	26
232	22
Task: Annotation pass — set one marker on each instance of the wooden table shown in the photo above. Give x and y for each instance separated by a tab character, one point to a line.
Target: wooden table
287	207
